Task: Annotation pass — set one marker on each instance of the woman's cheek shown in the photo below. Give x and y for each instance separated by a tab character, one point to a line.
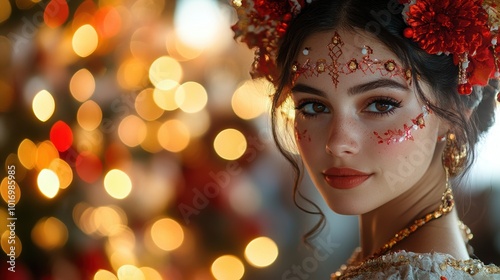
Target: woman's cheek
303	138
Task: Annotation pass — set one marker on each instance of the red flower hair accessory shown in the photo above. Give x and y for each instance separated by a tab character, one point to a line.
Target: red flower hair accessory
465	29
261	25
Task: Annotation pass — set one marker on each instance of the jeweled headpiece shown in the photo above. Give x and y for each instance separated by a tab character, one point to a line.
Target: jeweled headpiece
465	29
336	64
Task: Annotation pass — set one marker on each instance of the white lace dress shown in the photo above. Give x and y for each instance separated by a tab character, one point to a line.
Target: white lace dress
409	265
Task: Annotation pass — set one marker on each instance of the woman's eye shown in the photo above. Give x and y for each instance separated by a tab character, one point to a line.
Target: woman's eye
383	106
311	108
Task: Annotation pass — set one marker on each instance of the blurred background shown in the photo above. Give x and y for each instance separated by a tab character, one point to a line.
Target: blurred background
138	148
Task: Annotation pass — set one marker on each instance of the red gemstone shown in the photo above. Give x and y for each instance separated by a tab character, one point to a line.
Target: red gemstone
408	32
498	97
465	89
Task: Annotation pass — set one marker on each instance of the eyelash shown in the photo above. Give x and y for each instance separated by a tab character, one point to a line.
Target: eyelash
381	100
385	101
303	103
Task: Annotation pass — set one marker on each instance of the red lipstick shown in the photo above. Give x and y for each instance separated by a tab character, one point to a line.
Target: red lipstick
344	178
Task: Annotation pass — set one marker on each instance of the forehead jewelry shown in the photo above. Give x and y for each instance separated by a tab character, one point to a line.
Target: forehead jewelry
334	66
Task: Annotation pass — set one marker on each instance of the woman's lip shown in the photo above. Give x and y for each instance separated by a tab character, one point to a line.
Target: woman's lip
334	171
345	178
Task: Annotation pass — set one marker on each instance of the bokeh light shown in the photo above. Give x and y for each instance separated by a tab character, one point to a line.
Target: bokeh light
89	115
248	101
46	152
197	123
85	40
165	73
132	74
151	143
261	252
27	153
82	85
63	171
117	184
48	183
108	21
146	107
6	246
108	220
61	136
43	105
5	11
11	193
191	97
132	131
173	136
130	272
167	234
230	144
121	257
151	273
165	99
228	267
88	167
193	16
103	274
56	12
49	233
121	236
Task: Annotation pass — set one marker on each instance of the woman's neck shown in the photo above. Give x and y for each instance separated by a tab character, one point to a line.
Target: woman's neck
442	235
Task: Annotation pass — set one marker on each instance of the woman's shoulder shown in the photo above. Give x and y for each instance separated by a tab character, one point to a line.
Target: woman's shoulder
409	265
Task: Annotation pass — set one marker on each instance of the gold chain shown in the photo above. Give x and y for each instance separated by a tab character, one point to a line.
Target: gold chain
447	204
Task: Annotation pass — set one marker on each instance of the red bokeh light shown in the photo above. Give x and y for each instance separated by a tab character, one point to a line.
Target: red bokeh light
88	167
56	13
61	135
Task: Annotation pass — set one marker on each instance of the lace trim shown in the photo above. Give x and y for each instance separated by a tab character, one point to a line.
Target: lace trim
402	258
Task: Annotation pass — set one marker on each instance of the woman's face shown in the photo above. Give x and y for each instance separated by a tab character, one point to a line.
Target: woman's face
362	133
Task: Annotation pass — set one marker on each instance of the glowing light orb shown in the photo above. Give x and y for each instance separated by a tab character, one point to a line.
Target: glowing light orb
261	252
228	267
48	183
43	105
117	184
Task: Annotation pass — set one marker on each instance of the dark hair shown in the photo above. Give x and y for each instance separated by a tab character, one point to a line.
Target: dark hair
383	19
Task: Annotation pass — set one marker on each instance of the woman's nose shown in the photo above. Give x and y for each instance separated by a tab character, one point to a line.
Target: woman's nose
343	138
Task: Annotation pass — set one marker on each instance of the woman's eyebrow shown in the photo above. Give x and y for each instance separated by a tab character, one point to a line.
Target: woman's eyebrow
357	89
307	89
381	83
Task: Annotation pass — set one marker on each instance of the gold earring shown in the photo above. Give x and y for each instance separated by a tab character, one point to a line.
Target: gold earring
454	155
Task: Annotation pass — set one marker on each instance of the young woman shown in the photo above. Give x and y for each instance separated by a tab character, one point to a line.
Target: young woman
389	100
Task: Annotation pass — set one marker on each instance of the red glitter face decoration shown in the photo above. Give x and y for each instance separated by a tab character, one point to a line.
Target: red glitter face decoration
334	66
302	136
400	135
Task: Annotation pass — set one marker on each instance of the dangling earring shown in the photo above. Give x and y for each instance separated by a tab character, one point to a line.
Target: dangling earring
454	155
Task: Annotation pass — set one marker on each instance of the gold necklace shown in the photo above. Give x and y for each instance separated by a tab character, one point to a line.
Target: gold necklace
447	204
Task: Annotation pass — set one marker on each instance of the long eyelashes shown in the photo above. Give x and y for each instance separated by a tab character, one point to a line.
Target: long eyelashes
311	108
381	106
378	106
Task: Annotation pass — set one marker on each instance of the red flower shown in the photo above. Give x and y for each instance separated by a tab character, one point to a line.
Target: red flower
261	25
448	26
